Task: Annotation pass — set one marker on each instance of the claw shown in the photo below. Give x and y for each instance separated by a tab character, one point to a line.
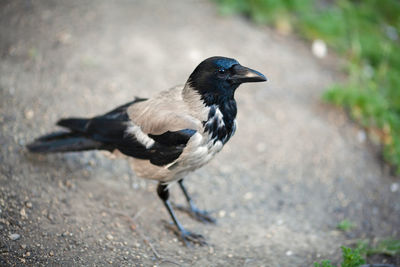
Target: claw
187	237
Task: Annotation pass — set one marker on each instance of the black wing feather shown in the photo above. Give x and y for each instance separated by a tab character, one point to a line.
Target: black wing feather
173	138
110	130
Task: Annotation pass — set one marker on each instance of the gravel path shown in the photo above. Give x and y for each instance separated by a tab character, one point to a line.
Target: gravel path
294	169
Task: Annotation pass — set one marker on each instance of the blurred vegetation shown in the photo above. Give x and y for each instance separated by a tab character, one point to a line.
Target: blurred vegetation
366	34
345	225
350	258
357	257
389	247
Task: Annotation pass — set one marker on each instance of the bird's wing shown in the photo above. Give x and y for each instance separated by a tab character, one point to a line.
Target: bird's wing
156	133
163	124
165	112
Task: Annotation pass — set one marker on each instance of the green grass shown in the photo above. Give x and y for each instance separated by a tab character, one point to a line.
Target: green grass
365	33
357	257
390	247
350	258
345	225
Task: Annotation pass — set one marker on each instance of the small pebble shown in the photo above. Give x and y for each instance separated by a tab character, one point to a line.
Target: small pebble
289	253
221	213
109	237
69	184
14	236
29	114
50	217
23	246
4	221
23	212
394	187
28	204
319	48
248	196
27	254
51	253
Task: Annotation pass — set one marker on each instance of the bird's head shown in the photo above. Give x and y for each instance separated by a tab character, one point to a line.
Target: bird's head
217	78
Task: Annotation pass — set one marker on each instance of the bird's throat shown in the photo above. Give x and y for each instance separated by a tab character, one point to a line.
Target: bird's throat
220	123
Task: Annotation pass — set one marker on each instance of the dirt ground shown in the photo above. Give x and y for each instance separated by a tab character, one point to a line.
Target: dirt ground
295	168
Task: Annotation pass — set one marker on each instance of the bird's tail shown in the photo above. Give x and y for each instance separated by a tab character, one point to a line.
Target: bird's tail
66	141
63	142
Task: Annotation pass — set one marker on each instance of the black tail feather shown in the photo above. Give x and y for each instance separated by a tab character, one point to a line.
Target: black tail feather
104	132
75	124
57	136
64	142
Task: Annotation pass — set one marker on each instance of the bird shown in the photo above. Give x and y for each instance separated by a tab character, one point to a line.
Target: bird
167	136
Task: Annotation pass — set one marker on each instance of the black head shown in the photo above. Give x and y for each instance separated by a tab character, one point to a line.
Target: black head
217	78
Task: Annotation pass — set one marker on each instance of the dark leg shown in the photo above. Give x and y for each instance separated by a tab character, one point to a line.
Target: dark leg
198	214
186	236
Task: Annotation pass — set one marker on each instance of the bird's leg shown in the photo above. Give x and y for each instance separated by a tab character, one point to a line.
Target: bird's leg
201	215
186	236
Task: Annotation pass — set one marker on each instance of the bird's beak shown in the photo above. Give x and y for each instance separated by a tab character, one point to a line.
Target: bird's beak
243	74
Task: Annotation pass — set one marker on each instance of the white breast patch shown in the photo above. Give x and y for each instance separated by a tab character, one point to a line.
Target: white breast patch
199	151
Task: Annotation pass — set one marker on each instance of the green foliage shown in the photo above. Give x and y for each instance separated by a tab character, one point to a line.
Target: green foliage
324	263
345	225
366	33
355	257
265	11
389	247
350	258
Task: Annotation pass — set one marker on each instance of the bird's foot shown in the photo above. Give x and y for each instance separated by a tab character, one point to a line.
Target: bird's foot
198	214
189	238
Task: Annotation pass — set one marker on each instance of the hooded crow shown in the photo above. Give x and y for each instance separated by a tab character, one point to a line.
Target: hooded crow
167	136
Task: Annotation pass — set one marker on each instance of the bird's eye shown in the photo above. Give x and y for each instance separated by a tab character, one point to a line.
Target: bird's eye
221	71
